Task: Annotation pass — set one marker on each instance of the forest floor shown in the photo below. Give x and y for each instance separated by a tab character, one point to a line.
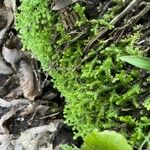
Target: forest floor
26	121
31	109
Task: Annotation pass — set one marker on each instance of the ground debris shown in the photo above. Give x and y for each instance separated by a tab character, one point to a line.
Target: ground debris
5	141
23	124
36	138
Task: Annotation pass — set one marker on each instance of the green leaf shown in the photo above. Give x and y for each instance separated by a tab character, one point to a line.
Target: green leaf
141	62
106	140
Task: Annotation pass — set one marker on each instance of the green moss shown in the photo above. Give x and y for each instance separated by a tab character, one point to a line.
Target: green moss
146	104
104	93
34	24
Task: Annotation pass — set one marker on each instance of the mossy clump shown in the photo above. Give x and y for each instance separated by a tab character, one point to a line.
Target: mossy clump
103	92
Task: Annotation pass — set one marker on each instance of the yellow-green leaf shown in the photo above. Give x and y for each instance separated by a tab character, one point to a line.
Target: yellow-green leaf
141	62
106	140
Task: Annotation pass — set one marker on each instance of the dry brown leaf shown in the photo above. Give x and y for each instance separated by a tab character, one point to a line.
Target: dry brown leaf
28	81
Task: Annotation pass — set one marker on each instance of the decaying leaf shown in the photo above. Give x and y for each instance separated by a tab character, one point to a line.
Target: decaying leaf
5	142
36	138
12	56
22	64
28	80
4	68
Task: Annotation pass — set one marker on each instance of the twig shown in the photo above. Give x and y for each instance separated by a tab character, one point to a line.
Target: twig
49	116
105	9
137	17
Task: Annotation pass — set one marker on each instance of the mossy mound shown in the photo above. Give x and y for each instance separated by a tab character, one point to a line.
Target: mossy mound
103	92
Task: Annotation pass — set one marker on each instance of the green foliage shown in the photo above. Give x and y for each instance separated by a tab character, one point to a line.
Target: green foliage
103	93
95	24
34	24
106	140
141	62
80	10
146	104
